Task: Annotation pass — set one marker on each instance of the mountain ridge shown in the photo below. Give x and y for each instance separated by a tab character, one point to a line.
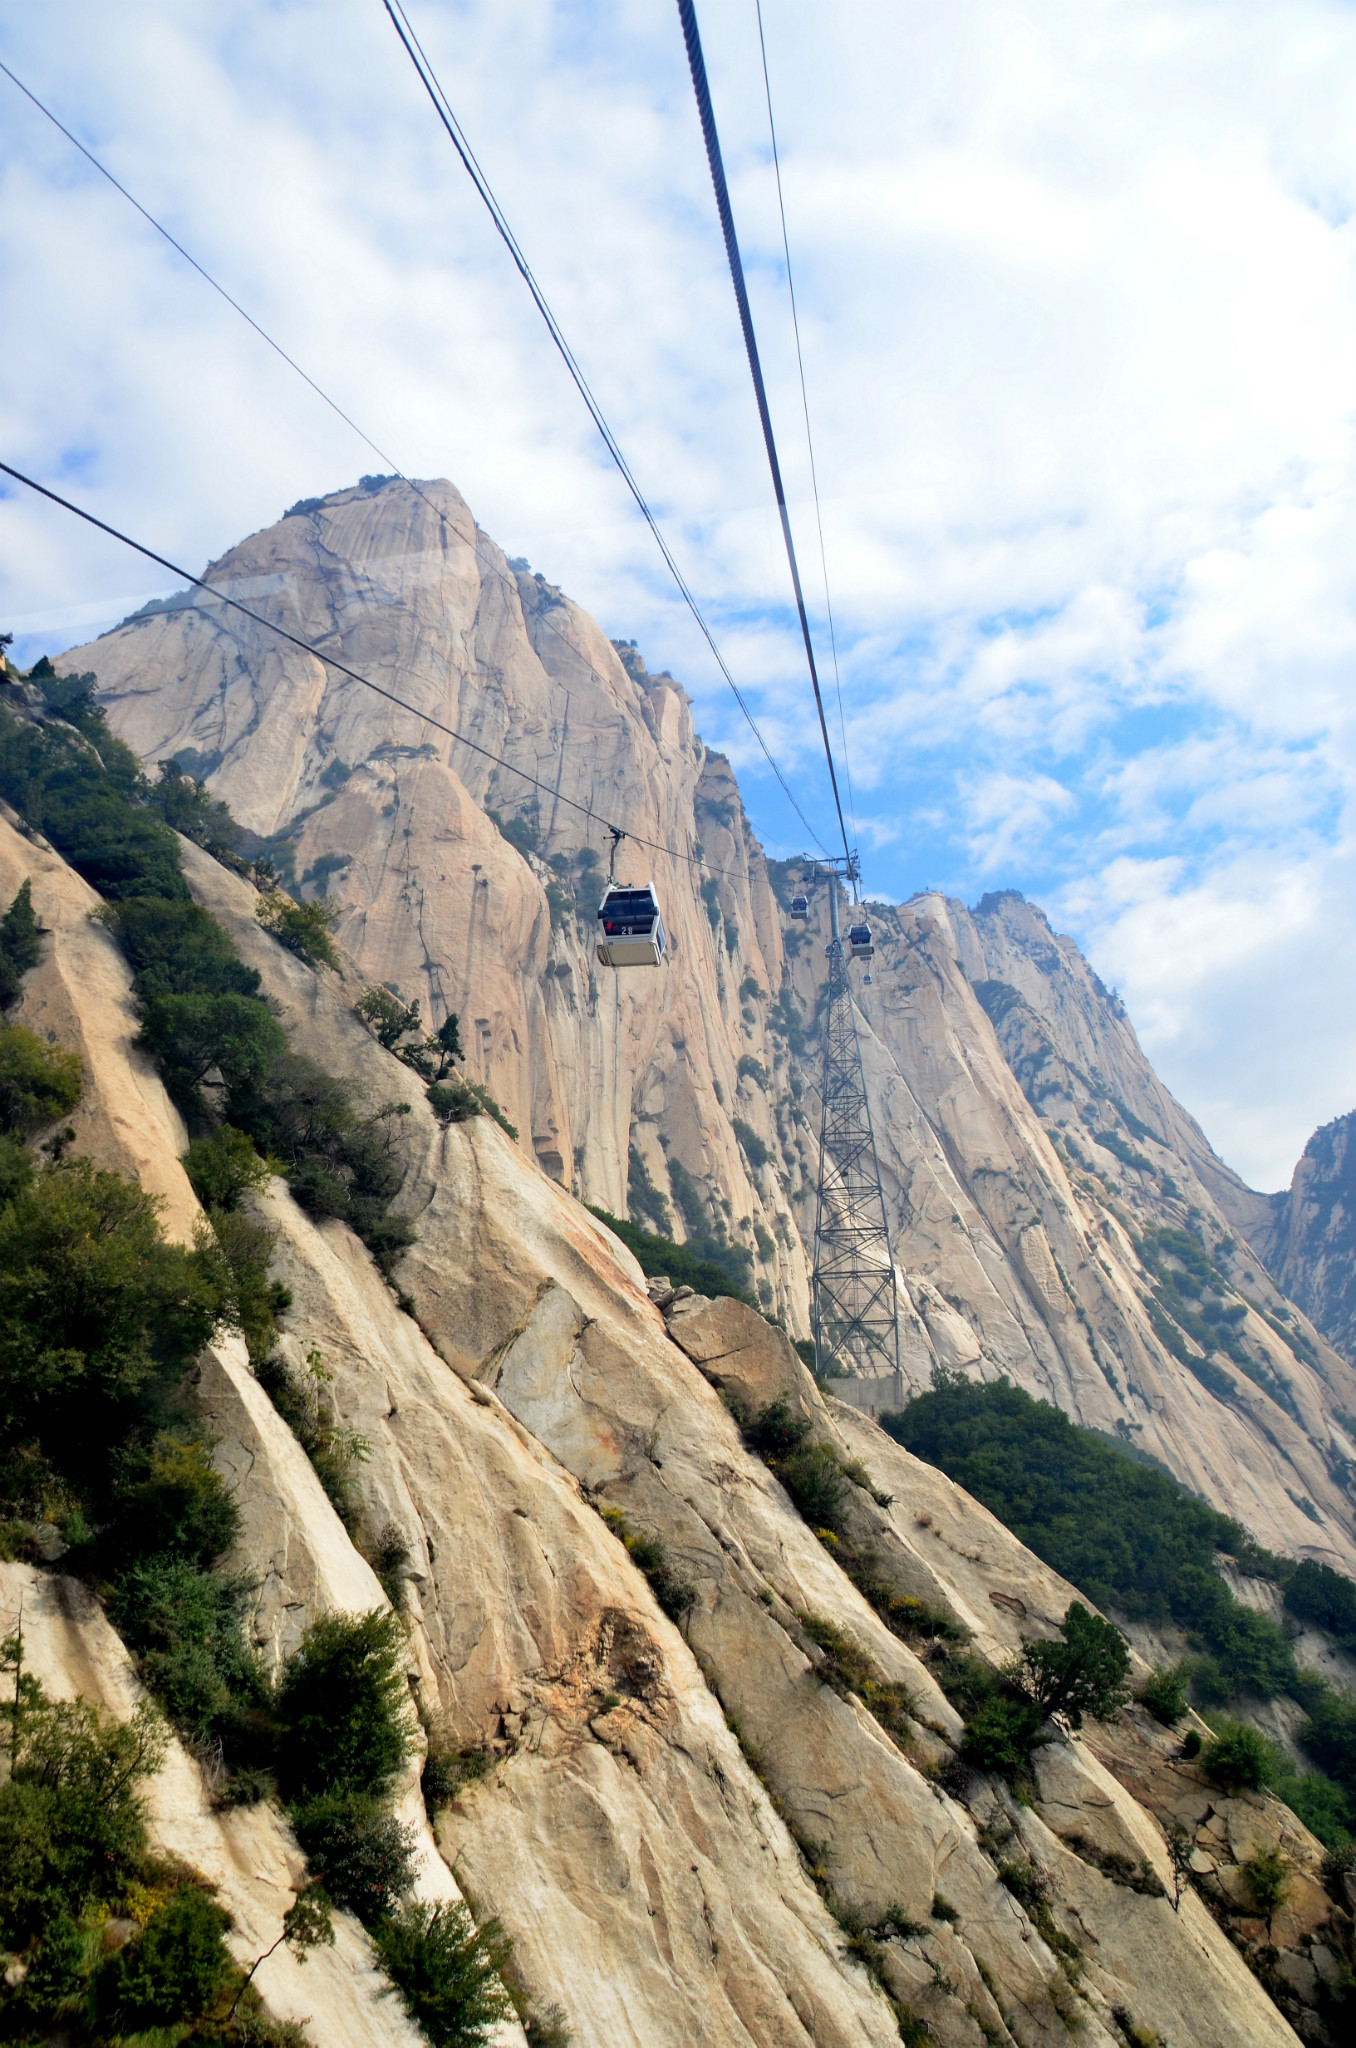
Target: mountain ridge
1056	1215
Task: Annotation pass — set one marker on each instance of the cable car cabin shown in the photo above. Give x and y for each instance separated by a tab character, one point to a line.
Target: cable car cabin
859	938
630	929
800	908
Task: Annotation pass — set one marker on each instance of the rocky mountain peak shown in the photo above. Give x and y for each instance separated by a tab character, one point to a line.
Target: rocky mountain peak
1040	1180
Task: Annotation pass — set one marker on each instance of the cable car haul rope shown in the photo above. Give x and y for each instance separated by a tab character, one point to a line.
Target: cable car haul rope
854	1315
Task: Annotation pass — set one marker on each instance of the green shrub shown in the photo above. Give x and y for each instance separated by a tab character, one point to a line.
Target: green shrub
1125	1533
16	1169
1004	1711
203	1019
447	1972
1323	1806
1086	1673
358	1851
189	806
677	1262
1329	1736
457	1100
178	1504
303	1401
1191	1743
1164	1693
846	1668
224	1167
547	2028
176	948
87	801
343	1714
1209	1685
338	1162
644	1200
1237	1758
1267	1875
98	1314
55	1985
1001	1734
239	1249
72	1825
192	1036
817	1485
172	1972
186	1628
447	1770
1317	1594
304	928
38	1083
20	945
387	1017
389	1557
751	1145
775	1432
675	1594
707	1237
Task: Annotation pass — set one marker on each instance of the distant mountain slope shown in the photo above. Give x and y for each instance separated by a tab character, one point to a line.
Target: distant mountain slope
1057	1221
1032	1159
1309	1238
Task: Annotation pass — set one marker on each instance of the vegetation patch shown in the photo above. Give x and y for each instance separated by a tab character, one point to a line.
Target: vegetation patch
447	1972
457	1100
100	1319
304	928
1134	1540
75	1863
847	1669
1122	1870
644	1198
1192	1294
1165	1694
676	1262
1083	1674
223	1054
1124	1533
675	1594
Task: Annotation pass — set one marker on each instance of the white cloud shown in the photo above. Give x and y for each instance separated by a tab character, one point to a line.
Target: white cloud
1076	288
1242	987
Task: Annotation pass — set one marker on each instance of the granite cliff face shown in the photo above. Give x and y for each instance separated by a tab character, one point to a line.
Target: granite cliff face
1308	1235
689	1832
1056	1215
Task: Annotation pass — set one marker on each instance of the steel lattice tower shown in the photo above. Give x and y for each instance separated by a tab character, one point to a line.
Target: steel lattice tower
855	1309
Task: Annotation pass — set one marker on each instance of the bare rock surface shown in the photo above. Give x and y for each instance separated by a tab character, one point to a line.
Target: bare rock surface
79	997
691	1827
1028	1149
1308	1236
618	1833
405	588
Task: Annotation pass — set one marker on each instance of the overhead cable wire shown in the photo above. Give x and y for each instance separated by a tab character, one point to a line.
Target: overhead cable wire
805	408
366	438
697	65
250	321
442	106
331	661
193	262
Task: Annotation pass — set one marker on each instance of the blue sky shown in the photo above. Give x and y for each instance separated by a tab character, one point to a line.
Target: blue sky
1076	289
